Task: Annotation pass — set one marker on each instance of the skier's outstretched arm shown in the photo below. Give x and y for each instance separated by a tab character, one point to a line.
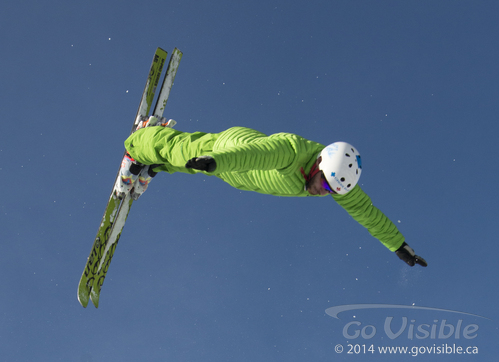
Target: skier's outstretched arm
359	205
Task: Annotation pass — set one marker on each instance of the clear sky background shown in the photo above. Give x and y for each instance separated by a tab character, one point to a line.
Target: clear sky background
205	272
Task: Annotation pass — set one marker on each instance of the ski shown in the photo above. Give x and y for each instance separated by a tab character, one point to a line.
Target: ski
117	209
122	214
114	204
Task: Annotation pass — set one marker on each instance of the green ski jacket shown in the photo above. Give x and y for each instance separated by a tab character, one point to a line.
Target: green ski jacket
252	161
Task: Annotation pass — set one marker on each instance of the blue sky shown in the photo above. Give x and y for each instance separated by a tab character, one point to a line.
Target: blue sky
205	272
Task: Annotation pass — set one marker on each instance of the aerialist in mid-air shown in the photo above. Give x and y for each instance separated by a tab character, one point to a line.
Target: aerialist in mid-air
281	164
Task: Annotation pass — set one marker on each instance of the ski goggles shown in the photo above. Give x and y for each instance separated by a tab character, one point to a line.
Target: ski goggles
325	184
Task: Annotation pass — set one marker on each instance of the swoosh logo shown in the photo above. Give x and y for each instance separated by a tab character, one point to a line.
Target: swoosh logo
334	311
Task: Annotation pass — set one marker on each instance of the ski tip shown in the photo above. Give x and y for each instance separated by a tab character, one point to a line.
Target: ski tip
83	291
83	299
94	297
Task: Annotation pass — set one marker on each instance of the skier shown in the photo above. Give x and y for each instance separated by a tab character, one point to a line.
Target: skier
281	164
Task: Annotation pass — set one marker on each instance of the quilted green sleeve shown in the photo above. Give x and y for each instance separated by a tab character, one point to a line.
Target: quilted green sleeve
358	204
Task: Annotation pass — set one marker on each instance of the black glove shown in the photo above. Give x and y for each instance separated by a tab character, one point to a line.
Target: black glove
406	254
202	163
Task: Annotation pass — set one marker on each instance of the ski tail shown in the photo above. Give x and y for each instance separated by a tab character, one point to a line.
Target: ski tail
151	84
171	72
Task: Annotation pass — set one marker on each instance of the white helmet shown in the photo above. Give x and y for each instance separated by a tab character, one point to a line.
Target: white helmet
341	165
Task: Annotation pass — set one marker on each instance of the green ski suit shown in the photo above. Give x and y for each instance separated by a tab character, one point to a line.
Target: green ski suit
252	161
